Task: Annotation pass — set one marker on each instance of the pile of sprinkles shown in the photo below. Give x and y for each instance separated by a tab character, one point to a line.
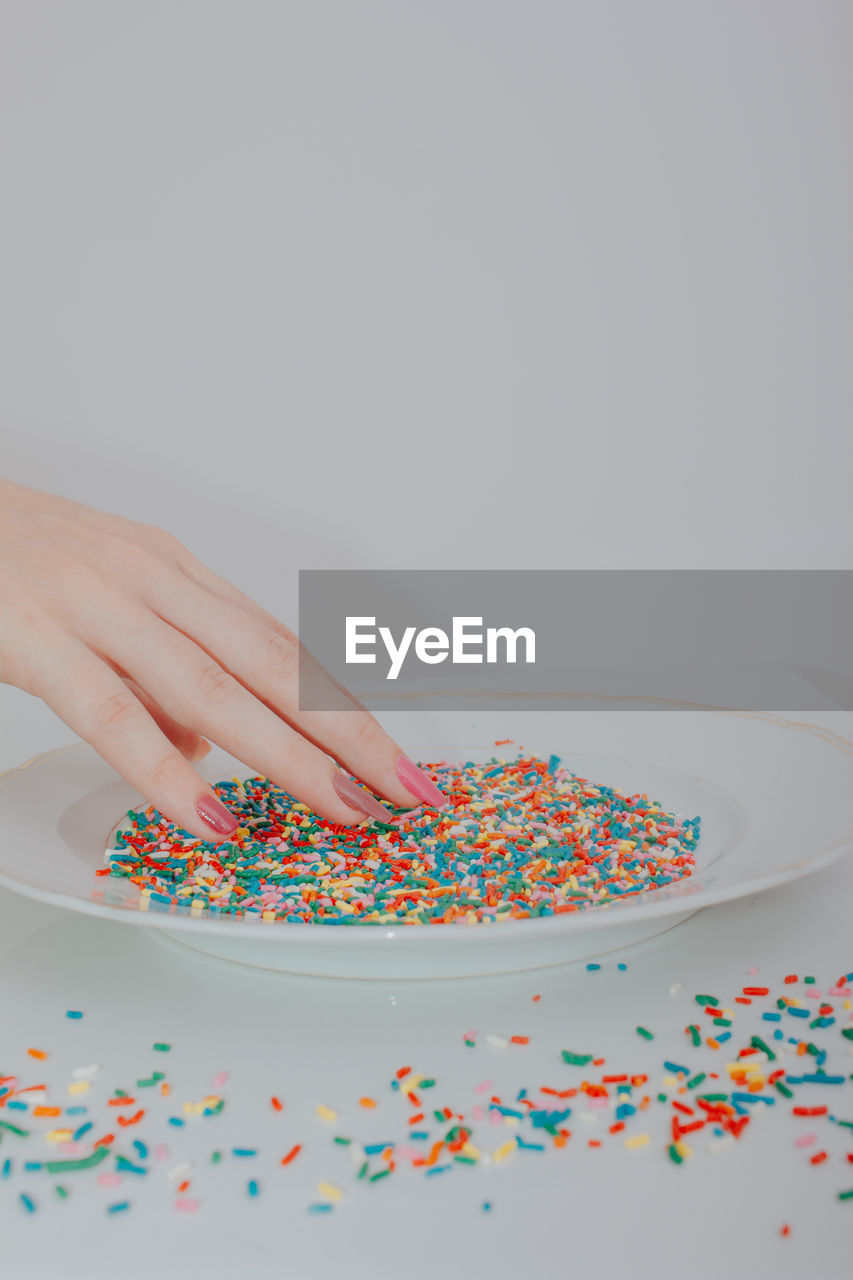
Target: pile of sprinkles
732	1070
517	839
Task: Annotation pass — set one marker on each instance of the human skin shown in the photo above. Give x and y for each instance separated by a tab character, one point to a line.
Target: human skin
149	656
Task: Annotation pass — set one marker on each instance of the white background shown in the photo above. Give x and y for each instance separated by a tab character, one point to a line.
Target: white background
331	284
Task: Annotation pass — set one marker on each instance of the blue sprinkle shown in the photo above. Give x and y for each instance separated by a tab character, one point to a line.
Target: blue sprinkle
126	1166
28	1204
487	1206
17	1106
141	1149
243	1151
252	1187
320	1207
419	1135
798	1013
376	1148
529	1146
76	1111
84	1128
177	1121
31	1165
73	1013
7	1169
593	966
772	1017
727	1035
437	1168
675	1068
118	1207
778	1035
621	966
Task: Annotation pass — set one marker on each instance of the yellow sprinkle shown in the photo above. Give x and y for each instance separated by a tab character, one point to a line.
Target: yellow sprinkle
638	1140
326	1113
411	1082
330	1191
512	1121
504	1151
60	1135
669	1081
79	1086
469	1150
683	1150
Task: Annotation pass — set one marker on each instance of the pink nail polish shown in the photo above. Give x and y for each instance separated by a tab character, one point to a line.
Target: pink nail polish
357	798
217	817
416	781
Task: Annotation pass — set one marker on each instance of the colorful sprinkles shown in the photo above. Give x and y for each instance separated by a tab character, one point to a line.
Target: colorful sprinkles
517	839
700	1102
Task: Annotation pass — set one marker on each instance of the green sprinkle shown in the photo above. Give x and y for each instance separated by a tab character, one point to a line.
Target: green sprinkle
439	1116
62	1192
216	1157
847	1032
426	1084
71	1166
160	1047
808	979
674	1155
722	1022
383	1173
846	1195
464	1159
363	1170
154	1078
575	1059
707	1000
758	1043
694	1034
697	1080
14	1128
662	1097
645	1033
783	1089
121	1093
343	1142
712	1097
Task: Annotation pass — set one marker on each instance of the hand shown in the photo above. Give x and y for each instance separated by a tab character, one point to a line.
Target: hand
145	652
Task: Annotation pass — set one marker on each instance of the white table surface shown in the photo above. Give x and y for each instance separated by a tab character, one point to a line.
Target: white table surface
594	1212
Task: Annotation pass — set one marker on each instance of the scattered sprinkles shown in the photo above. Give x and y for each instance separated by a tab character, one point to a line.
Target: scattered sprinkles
517	839
698	1103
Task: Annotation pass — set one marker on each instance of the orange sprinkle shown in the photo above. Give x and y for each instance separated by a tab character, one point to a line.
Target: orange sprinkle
366	1102
818	1157
183	1186
559	1140
121	1102
47	1111
712	1043
519	1039
106	1140
535	998
277	1104
593	1142
791	977
37	1053
416	1119
126	1121
164	1089
403	1071
292	1154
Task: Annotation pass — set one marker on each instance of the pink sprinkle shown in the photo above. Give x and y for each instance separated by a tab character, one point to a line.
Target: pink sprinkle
478	1114
805	1139
161	1151
839	991
484	1086
109	1179
220	1079
71	1148
813	994
597	1102
754	969
469	1035
495	1117
186	1205
408	1153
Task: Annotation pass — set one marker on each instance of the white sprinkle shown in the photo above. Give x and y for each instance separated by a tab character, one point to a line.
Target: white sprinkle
720	1144
675	988
179	1171
84	1073
497	1042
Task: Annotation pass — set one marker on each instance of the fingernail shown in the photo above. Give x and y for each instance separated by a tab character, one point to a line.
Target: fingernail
357	798
214	813
416	781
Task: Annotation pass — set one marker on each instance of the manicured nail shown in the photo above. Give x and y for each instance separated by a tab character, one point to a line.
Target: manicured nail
217	817
416	781
357	798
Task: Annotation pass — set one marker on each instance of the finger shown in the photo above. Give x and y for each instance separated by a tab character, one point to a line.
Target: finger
196	691
190	744
266	659
97	705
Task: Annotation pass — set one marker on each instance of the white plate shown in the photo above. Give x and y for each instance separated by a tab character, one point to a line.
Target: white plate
775	799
